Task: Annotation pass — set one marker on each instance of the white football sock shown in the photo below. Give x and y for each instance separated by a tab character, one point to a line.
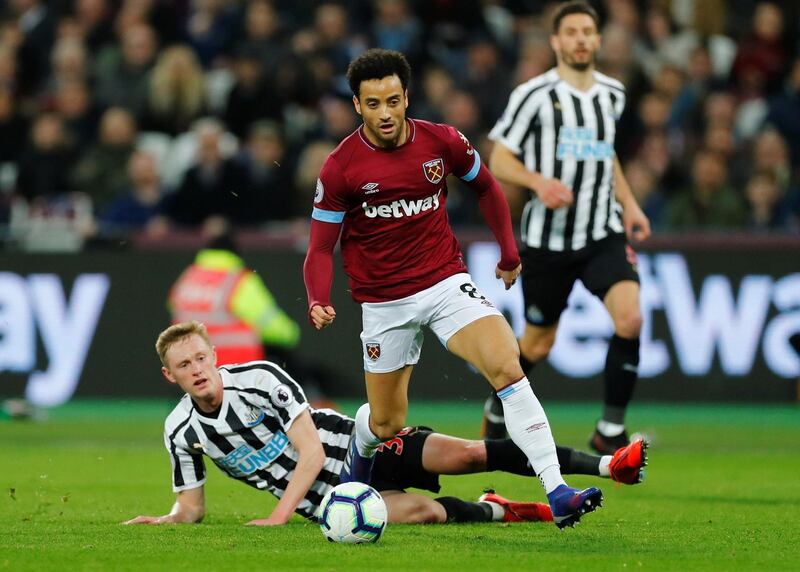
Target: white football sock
527	426
498	512
605	461
366	441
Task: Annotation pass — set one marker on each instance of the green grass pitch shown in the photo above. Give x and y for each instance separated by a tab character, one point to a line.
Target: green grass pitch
722	493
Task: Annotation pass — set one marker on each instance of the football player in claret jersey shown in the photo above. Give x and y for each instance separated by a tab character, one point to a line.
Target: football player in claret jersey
383	189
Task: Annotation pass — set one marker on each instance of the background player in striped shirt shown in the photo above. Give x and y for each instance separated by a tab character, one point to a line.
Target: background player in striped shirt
384	189
253	421
556	138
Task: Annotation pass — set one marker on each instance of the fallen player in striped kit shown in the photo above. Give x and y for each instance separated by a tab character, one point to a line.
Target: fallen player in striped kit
254	422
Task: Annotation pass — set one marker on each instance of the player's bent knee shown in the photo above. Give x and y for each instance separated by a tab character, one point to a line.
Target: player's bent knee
502	369
428	513
473	456
536	350
629	325
506	371
387	429
386	423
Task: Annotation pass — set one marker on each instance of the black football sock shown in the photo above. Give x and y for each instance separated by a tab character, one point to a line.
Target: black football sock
577	463
621	371
526	364
458	510
504	455
494	418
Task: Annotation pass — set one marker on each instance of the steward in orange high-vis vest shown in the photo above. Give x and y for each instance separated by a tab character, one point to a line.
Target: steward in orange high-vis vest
240	313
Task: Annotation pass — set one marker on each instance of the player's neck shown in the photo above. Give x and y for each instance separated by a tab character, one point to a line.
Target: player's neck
582	80
213	403
402	137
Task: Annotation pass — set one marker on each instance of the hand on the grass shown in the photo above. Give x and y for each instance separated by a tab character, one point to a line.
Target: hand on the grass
322	316
508	276
264	522
145	520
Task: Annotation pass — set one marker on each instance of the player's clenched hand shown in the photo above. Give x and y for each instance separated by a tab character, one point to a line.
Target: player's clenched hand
637	225
554	194
145	520
322	316
508	276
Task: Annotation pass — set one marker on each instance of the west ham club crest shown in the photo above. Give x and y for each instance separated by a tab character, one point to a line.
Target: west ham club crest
373	351
434	170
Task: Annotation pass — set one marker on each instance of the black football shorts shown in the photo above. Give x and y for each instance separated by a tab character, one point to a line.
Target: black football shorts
548	277
398	463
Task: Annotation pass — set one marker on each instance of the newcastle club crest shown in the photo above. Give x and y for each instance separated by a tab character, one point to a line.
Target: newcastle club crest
373	351
434	170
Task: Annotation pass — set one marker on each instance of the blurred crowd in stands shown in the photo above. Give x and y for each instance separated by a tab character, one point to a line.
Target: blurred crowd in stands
122	116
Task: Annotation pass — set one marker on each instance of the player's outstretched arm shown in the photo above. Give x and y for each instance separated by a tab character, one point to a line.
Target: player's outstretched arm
636	223
189	507
509	169
303	437
318	272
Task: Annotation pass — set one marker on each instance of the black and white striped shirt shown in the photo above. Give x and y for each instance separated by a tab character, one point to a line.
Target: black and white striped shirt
247	440
566	134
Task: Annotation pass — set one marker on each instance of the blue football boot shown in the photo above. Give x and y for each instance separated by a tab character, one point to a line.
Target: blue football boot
569	505
356	468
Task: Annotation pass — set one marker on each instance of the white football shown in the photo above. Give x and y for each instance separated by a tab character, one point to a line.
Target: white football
354	513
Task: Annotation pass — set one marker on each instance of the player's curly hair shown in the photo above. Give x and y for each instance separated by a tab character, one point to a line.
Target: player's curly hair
574	7
176	333
378	63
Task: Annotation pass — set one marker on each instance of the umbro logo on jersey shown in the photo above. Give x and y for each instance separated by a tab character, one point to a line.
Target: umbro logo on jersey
371	188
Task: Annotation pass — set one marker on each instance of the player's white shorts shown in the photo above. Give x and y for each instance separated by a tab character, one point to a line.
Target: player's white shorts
392	335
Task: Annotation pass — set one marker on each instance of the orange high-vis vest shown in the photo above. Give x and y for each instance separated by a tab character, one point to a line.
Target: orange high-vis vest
205	295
